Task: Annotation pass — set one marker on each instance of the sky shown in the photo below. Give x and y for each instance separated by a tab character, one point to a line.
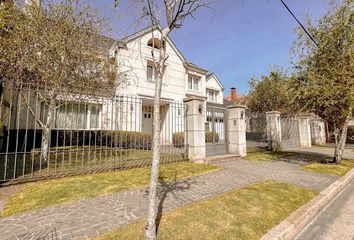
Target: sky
237	40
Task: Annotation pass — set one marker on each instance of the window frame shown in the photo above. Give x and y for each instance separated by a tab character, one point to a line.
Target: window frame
212	97
195	81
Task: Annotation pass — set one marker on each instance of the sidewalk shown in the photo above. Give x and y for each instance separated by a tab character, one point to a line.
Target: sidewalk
336	221
96	216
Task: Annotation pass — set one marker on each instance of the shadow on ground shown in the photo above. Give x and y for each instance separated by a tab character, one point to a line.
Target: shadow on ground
169	188
302	157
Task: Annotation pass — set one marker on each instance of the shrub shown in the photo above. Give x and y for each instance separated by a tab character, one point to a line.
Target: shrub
178	139
350	134
109	138
210	136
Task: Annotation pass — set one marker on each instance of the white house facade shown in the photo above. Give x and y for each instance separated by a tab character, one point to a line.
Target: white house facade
182	79
132	107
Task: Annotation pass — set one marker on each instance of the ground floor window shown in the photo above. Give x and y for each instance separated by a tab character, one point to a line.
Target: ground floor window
74	115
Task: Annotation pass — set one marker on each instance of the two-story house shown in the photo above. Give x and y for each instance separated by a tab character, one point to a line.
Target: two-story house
182	79
132	107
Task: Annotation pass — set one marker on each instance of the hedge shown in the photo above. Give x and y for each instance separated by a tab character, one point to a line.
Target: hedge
124	139
210	136
178	138
109	138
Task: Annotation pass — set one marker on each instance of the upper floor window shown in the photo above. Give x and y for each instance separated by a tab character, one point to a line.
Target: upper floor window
193	83
212	95
154	43
151	72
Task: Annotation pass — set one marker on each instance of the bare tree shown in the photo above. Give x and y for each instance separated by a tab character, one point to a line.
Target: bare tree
174	13
55	49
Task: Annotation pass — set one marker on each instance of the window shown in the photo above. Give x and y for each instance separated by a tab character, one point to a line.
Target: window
193	83
78	116
155	43
212	95
151	72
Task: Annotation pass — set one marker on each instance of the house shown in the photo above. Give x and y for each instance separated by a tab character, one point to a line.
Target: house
132	107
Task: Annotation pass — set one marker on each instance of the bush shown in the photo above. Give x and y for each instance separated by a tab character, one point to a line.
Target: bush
210	136
109	138
350	134
178	139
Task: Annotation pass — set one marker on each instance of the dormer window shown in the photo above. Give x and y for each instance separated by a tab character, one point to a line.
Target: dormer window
154	43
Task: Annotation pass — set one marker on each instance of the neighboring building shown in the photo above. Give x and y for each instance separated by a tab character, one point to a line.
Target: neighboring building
235	98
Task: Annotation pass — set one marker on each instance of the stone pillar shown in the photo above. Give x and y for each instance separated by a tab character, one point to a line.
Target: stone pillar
195	128
236	130
274	130
304	131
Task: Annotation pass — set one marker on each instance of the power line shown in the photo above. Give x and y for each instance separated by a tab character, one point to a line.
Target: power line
297	20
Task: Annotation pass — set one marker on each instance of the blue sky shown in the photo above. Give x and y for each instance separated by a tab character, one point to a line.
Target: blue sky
238	40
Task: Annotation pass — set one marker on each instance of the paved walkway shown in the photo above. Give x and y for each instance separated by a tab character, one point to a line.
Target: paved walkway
96	216
336	221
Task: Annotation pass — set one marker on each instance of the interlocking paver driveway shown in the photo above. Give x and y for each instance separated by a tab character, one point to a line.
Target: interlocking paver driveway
92	217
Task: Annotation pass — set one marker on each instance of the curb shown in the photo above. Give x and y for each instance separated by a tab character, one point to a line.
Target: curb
296	221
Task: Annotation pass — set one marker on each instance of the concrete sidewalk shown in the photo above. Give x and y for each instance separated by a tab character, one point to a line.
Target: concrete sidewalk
335	221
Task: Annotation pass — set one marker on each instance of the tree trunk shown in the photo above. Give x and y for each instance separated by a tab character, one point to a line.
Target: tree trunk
340	140
152	205
46	131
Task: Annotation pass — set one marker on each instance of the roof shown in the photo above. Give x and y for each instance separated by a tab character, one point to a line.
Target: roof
174	47
150	29
211	74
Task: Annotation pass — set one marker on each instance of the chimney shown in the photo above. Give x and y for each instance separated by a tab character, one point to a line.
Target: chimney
233	94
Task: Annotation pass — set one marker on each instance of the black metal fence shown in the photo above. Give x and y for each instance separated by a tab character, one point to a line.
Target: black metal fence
289	132
256	132
43	136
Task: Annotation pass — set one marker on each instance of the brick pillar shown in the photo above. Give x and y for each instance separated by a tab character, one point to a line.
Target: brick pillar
274	130
236	130
304	131
195	128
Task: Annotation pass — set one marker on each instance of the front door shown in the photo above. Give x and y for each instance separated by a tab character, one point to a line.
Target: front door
147	119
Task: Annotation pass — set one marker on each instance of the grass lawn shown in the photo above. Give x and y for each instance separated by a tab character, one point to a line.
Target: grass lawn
322	146
58	191
73	160
247	213
266	156
331	169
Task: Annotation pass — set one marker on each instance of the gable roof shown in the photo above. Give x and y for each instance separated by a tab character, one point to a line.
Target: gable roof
148	30
210	75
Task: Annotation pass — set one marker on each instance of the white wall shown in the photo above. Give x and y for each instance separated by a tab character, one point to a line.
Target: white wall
134	61
212	83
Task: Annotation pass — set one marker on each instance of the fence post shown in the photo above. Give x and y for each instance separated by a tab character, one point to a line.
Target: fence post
236	132
274	130
195	128
304	131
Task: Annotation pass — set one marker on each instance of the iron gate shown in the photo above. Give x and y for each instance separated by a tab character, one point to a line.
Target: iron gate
256	132
215	131
289	133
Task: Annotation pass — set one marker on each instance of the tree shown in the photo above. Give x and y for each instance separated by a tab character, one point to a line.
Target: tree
269	93
166	17
324	81
56	51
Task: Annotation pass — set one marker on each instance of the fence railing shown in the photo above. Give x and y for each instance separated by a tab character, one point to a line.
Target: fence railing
43	136
256	132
